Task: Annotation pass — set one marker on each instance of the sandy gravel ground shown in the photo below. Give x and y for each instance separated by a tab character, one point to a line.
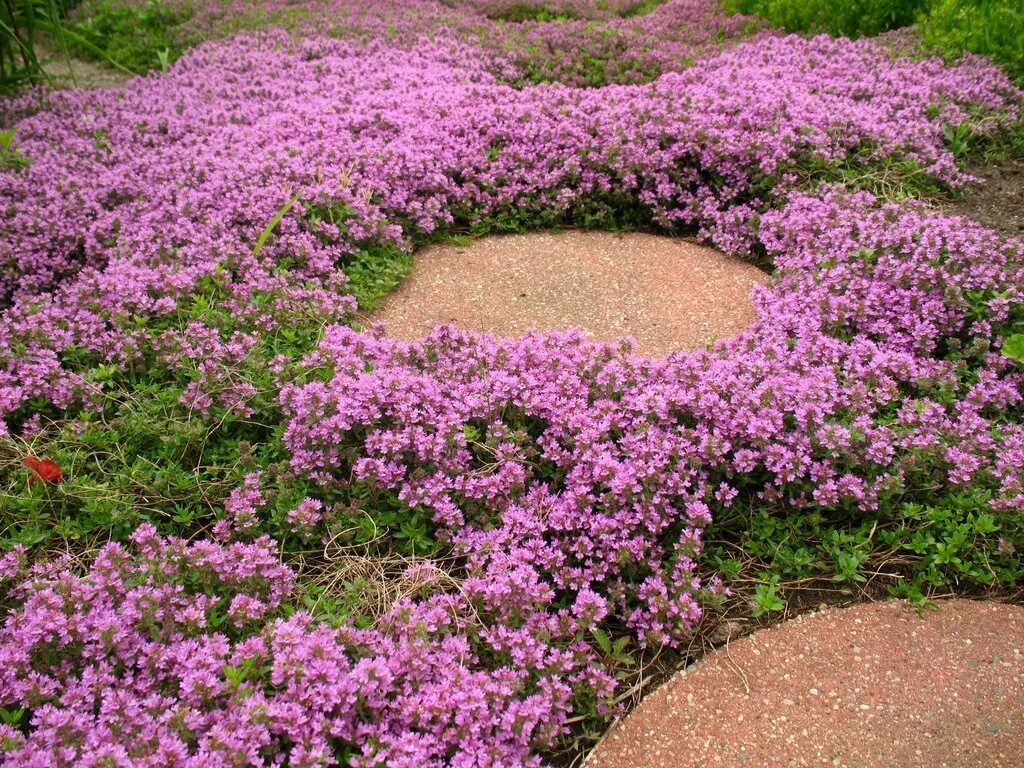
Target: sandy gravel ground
872	686
668	293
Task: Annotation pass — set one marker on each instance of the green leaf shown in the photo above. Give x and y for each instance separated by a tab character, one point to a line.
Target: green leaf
11	717
767	600
1013	347
603	641
272	225
985	524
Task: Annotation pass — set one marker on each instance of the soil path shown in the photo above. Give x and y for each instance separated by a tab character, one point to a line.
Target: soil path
996	199
666	292
73	72
871	685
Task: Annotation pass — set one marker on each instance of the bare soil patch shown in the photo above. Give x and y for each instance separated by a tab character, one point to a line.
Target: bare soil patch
997	200
72	72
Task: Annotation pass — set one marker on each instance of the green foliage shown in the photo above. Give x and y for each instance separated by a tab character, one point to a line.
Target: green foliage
887	178
376	271
1012	330
897	179
1013	347
272	224
615	651
1005	145
850	18
612	211
517	13
766	596
953	540
21	22
957	539
641	8
10	157
12	717
15	719
609	57
520	12
373	271
143	457
139	36
268	16
992	28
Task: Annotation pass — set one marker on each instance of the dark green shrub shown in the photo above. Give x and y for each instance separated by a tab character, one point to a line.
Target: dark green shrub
992	28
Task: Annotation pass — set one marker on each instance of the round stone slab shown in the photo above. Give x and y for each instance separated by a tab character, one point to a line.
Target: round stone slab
668	293
862	687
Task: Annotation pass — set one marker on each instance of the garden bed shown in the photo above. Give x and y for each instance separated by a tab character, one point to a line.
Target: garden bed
238	530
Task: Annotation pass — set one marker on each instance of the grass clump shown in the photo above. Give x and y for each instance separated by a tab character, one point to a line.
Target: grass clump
950	28
141	36
849	18
953	543
21	23
641	8
29	29
10	156
375	272
522	12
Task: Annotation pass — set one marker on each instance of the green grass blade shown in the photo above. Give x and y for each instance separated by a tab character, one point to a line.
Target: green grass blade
55	18
77	39
272	225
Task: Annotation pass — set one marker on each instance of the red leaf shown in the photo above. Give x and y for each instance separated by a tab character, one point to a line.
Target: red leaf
47	471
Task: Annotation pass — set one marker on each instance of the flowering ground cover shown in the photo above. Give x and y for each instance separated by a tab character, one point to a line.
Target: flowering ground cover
238	530
590	43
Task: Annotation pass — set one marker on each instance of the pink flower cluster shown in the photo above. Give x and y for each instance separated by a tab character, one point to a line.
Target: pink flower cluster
134	196
175	654
550	455
611	39
609	42
571	479
870	370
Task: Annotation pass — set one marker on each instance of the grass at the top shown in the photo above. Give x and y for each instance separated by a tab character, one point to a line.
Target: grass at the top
851	18
991	28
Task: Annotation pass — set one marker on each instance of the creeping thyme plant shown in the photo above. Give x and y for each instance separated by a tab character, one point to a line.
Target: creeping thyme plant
237	528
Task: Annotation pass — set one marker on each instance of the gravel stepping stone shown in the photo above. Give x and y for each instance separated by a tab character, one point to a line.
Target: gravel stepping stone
668	293
861	687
